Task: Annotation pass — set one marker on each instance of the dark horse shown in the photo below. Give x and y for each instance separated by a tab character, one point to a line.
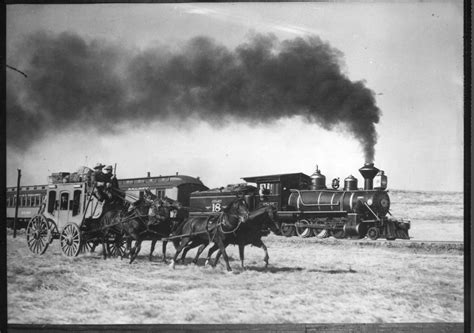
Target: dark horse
206	229
137	228
132	224
105	230
261	221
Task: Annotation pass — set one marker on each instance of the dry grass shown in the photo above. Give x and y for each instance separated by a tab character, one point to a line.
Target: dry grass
436	216
307	281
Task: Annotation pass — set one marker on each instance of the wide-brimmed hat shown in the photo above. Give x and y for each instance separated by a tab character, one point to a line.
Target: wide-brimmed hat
99	166
108	167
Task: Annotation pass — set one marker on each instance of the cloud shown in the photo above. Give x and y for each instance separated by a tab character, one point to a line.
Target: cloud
73	83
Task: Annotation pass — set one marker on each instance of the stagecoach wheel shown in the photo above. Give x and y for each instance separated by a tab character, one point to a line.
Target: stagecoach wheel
303	230
339	233
70	240
38	235
373	233
116	247
86	246
287	230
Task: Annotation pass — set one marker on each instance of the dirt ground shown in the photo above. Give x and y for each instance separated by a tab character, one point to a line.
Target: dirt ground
307	281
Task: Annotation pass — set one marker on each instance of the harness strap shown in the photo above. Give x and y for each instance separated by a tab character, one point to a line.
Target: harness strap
221	223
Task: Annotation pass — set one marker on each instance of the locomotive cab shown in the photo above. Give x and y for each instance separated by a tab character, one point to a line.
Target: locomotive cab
278	188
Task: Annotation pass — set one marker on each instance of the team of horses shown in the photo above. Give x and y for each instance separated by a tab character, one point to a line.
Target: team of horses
234	225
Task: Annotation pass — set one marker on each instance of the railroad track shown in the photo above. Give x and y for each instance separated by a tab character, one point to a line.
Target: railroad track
441	246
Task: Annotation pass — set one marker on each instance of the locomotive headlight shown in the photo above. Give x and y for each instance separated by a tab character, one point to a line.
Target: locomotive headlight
369	202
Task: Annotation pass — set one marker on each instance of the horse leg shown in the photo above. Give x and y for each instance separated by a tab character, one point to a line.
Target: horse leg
104	248
188	247
127	248
163	247
241	254
136	250
153	243
94	245
184	241
260	244
209	254
132	249
224	254
199	251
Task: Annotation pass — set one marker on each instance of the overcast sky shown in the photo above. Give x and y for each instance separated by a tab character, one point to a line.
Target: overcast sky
407	55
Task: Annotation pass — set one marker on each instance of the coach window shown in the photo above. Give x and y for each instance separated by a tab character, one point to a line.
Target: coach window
76	202
64	201
160	194
51	201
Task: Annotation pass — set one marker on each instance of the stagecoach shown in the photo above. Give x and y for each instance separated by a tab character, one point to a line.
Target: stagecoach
68	213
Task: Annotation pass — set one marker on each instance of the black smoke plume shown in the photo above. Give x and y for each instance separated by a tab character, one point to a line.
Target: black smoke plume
74	83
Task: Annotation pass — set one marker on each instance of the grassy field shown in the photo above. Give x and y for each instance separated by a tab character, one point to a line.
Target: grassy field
308	280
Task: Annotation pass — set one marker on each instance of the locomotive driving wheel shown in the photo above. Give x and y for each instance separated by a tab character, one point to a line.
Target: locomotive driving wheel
70	240
303	230
38	234
338	233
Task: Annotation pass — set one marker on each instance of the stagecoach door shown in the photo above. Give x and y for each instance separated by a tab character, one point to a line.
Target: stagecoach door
63	208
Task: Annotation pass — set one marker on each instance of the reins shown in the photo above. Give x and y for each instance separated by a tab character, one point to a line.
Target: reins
220	223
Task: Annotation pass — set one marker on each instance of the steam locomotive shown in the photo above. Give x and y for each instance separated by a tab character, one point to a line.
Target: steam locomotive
306	207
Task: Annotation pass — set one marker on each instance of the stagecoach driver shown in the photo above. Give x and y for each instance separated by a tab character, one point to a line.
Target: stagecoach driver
99	180
110	181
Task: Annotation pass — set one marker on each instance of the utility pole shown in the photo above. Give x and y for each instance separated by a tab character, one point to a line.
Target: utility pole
17	202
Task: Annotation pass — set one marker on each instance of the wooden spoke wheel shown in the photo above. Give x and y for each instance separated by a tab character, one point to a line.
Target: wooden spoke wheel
287	230
70	240
339	233
116	247
38	235
302	229
373	233
88	246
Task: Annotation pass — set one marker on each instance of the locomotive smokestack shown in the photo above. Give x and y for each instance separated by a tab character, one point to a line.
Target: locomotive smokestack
368	171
